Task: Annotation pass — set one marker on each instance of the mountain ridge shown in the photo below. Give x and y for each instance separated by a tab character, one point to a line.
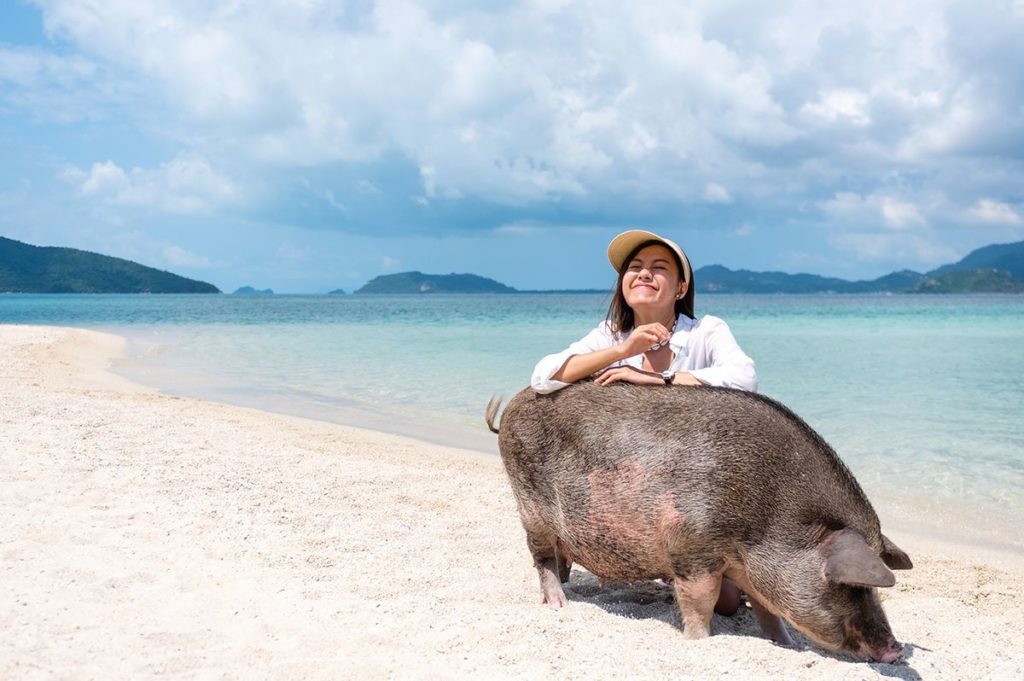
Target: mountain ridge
25	268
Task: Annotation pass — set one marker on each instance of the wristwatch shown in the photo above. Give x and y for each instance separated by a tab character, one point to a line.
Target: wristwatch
669	377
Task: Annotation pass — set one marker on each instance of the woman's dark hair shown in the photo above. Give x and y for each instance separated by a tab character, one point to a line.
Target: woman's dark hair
620	315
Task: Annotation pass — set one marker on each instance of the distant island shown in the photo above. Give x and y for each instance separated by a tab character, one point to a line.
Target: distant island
998	268
250	291
993	269
25	268
337	292
417	282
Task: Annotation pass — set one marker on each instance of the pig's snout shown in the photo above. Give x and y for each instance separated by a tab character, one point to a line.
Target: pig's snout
886	654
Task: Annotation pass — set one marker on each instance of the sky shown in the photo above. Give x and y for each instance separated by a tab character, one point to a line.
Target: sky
309	145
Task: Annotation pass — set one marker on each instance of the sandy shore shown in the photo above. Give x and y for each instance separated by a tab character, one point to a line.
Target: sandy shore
147	535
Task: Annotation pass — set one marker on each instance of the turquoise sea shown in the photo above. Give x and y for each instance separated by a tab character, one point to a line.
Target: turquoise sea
923	397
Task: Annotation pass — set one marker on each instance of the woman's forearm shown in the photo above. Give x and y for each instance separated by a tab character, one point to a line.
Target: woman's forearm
581	366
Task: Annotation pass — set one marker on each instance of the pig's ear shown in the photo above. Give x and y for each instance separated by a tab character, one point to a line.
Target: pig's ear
893	556
849	560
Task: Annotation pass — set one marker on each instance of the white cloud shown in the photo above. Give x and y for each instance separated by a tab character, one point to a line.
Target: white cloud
334	203
481	100
900	214
185	184
640	106
894	247
104	178
367	187
992	212
28	68
54	87
840	104
520	229
716	193
176	256
873	209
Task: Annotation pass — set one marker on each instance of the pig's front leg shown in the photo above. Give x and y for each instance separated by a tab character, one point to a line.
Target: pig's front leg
696	597
772	625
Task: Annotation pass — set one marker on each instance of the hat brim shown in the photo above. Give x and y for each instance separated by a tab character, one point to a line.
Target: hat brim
622	245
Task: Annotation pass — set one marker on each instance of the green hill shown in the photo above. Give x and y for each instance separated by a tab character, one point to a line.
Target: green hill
1006	257
998	268
44	269
975	281
417	282
719	279
250	291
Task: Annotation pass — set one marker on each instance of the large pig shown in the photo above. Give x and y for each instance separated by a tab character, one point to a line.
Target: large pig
693	484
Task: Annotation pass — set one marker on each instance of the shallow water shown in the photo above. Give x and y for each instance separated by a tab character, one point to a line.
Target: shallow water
922	396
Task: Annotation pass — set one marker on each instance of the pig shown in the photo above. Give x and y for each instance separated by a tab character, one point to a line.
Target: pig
696	484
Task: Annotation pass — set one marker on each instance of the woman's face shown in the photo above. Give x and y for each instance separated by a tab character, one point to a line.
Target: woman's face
652	279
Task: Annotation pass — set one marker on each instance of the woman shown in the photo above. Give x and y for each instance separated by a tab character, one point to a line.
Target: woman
651	337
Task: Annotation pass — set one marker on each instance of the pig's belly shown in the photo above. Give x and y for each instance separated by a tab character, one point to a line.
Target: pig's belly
625	530
618	556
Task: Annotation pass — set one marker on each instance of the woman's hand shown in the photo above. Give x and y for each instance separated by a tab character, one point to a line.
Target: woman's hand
642	338
629	375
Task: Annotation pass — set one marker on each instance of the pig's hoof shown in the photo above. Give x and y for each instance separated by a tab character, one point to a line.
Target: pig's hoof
782	638
555	600
693	633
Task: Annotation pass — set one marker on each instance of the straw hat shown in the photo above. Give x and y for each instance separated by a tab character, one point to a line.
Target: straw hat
622	245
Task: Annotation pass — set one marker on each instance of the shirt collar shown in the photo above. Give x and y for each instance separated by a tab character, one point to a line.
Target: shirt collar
677	341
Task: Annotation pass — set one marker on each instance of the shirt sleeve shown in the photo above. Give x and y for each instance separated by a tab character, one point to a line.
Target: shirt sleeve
729	366
598	339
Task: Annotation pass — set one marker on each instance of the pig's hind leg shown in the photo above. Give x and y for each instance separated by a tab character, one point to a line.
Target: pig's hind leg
550	563
696	595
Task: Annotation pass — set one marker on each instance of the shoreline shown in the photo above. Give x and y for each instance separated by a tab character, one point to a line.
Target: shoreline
156	535
138	366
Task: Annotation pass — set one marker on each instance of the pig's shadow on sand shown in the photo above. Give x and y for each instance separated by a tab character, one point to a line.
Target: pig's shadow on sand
656	600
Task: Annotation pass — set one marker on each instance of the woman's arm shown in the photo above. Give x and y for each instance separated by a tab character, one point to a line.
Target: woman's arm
595	351
544	381
581	366
728	365
630	374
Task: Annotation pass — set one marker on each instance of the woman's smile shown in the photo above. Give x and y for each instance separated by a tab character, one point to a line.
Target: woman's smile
650	281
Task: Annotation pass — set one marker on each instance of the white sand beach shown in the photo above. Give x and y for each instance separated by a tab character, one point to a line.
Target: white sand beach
145	536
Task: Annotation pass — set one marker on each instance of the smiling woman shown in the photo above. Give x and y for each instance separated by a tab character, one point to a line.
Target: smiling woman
651	335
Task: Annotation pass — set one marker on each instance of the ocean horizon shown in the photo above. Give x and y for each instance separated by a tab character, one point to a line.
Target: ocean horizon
919	395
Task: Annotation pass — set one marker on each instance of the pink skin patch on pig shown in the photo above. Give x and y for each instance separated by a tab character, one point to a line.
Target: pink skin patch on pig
625	533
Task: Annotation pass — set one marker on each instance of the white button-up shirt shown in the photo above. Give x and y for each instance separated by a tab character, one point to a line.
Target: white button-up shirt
702	347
